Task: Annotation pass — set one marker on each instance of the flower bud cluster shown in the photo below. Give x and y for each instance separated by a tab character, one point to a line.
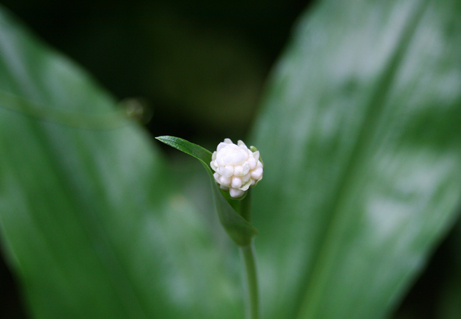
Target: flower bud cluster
236	167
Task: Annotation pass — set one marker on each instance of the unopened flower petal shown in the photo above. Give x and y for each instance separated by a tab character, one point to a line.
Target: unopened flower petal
236	182
225	181
246	168
228	171
236	193
236	167
257	174
252	162
238	170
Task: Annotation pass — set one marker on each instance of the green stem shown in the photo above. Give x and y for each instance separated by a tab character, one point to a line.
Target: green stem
244	208
248	255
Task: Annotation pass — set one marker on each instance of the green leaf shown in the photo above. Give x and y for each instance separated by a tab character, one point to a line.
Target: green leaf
361	142
240	230
361	139
89	218
194	150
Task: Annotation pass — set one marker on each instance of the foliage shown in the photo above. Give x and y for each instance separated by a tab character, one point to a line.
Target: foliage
360	134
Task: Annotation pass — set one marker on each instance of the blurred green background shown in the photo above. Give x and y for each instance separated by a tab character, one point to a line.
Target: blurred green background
200	67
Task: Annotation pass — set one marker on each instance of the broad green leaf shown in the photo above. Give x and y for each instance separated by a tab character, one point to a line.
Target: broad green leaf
240	230
89	219
361	139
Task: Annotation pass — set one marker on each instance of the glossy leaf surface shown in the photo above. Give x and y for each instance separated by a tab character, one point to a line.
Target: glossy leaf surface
361	142
361	138
89	219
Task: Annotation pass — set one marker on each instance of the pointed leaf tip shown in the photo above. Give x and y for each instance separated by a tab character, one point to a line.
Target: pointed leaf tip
238	229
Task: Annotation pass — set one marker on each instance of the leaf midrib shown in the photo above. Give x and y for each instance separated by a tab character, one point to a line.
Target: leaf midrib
317	278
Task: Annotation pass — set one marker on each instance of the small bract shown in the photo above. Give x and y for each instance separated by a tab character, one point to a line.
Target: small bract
236	167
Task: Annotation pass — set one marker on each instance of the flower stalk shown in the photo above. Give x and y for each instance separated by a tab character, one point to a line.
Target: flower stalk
249	259
251	279
235	169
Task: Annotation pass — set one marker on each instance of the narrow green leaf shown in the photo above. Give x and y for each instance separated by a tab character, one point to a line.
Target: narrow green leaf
361	133
235	225
194	150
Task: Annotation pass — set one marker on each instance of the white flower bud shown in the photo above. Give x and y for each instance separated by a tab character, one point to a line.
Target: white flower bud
236	167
